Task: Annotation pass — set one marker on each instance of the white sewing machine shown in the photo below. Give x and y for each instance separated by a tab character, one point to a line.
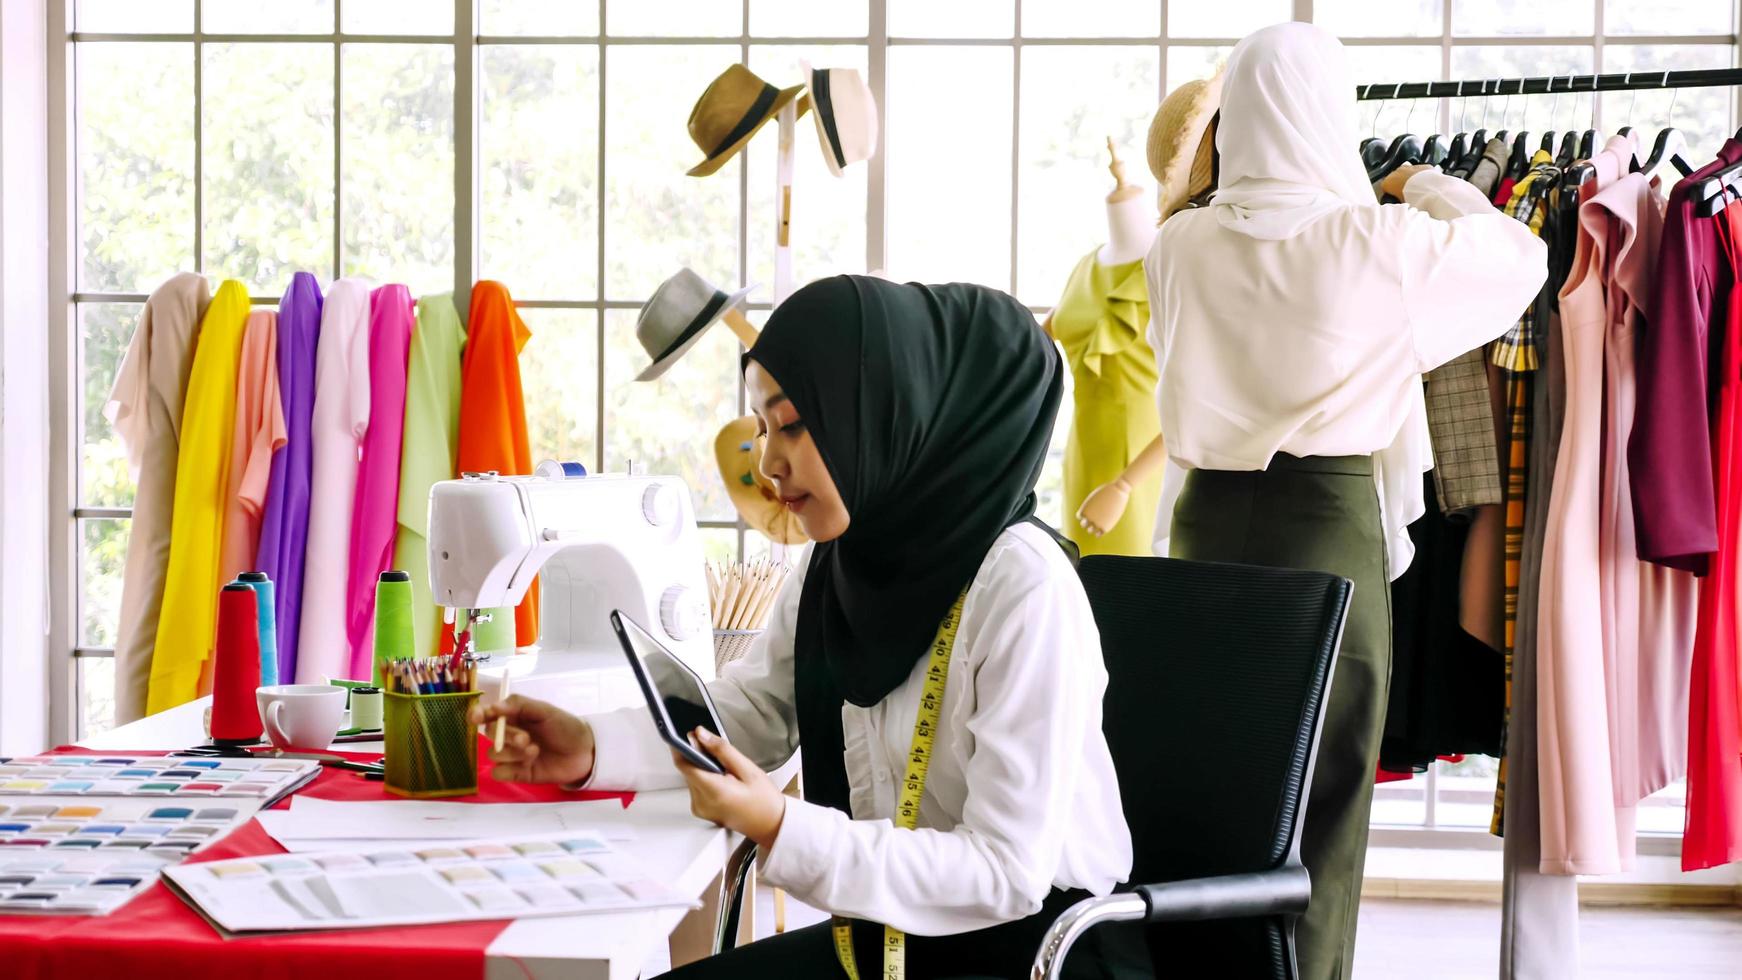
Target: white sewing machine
597	543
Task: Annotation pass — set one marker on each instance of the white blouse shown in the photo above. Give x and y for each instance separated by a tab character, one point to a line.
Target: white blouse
1315	345
1021	794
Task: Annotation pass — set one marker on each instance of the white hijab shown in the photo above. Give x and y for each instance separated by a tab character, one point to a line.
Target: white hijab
1288	134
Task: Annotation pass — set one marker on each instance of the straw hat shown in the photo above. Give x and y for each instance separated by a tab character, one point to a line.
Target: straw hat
1180	156
738	451
846	116
681	310
734	107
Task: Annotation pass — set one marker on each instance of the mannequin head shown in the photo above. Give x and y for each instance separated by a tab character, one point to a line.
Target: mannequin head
790	459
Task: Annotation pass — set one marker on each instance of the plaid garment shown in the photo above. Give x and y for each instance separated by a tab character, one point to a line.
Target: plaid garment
1516	349
1460	418
1531	204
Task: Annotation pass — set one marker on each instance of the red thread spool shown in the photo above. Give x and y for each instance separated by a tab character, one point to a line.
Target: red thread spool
236	668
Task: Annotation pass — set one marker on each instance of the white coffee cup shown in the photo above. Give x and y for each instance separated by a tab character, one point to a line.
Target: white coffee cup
301	716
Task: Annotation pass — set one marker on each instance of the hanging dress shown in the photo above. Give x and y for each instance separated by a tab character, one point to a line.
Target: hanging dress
284	530
145	411
340	420
1100	321
493	417
375	508
432	427
1582	830
188	619
1713	833
257	434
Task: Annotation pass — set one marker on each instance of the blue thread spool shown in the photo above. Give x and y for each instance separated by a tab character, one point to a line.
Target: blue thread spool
262	587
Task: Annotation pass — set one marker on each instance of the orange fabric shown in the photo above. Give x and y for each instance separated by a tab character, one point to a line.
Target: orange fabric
493	411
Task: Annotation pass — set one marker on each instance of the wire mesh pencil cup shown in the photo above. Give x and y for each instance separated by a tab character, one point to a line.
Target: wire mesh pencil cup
730	645
431	748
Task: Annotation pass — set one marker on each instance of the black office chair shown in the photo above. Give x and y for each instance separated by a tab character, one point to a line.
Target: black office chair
1217	675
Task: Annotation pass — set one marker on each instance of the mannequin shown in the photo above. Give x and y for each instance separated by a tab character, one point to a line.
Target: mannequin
1130	224
1099	321
1105	506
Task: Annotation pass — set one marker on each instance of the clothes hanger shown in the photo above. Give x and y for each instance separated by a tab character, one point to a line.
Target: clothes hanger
1479	141
1547	145
1456	152
1519	161
1405	148
1712	195
1588	143
1372	148
1669	145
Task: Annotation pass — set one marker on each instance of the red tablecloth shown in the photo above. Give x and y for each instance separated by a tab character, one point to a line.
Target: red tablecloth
158	937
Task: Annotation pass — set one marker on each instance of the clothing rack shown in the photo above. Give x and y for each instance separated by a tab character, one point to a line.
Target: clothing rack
1551	84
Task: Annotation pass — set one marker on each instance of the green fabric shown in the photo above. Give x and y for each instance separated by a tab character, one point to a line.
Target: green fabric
432	423
1100	322
1320	514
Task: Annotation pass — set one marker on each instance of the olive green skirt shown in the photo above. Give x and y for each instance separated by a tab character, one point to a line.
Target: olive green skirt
1318	513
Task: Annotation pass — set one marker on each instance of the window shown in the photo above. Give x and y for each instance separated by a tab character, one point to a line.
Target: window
543	144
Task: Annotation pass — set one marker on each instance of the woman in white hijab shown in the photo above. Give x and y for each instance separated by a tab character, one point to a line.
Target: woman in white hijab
1292	319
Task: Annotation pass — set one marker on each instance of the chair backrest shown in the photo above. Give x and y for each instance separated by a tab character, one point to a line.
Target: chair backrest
1217	674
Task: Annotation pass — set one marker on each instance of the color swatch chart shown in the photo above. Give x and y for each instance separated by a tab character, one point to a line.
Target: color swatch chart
93	775
84	856
565	874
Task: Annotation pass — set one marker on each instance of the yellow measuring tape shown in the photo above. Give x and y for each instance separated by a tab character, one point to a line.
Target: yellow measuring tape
925	729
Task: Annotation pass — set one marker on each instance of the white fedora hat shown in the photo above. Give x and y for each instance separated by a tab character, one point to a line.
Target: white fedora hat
681	310
846	116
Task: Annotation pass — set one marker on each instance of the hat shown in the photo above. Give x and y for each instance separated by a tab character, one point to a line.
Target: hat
733	108
846	116
1177	157
674	319
738	450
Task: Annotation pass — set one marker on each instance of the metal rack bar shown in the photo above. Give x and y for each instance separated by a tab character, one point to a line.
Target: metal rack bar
1615	82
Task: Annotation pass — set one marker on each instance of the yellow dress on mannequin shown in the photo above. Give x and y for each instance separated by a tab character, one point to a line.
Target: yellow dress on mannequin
1100	323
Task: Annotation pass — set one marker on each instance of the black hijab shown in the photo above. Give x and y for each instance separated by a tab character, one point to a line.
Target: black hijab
932	407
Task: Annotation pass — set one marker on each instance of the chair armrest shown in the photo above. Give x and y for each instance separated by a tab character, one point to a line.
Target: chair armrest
1282	891
732	879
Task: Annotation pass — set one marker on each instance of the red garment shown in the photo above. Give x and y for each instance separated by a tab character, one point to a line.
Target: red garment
1713	833
1503	193
493	412
157	936
1388	776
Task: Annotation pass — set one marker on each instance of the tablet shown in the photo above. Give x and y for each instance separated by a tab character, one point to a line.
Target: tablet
676	696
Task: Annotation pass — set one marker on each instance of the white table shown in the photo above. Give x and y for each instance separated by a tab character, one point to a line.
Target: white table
680	850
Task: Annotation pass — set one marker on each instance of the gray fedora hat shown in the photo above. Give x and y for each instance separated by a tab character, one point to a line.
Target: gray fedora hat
681	310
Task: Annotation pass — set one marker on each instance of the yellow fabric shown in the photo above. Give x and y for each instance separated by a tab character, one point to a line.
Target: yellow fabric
1100	323
188	619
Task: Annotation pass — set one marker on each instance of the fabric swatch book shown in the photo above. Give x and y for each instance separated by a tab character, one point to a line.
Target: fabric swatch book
553	874
153	775
87	856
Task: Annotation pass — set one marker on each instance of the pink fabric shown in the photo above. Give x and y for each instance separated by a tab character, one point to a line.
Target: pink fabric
258	433
375	513
1650	611
1582	831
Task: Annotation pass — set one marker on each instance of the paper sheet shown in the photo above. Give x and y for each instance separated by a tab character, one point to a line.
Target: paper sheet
312	824
552	874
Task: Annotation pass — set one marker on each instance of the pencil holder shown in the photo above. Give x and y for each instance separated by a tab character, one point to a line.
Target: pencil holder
730	645
431	748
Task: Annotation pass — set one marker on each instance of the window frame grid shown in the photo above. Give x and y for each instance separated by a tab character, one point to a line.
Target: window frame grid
67	409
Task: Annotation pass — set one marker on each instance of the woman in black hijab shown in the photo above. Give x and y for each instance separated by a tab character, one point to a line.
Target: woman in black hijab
906	426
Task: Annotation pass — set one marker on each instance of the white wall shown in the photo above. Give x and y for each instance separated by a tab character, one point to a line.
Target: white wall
24	376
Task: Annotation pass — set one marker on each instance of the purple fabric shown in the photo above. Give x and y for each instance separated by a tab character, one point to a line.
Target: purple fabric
375	508
1669	452
284	529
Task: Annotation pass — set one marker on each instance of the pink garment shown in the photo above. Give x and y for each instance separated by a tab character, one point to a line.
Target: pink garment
1651	610
340	420
1582	830
375	509
258	433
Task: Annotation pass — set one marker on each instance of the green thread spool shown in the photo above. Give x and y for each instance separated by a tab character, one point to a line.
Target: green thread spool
394	637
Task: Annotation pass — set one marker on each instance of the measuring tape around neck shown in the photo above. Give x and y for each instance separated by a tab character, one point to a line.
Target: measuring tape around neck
925	728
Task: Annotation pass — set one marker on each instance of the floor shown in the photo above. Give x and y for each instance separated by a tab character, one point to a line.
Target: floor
1460	940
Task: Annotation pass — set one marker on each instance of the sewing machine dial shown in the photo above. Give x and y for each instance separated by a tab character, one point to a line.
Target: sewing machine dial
682	612
659	505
